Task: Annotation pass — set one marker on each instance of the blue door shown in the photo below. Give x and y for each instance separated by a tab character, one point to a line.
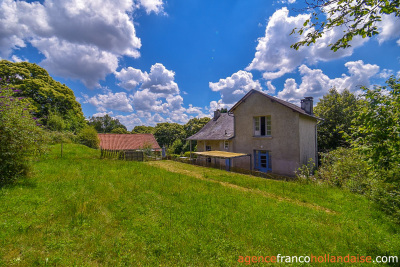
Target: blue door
262	161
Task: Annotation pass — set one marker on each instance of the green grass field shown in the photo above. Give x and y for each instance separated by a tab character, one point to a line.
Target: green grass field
84	211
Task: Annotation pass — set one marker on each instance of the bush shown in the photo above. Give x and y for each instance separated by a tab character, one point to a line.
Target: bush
305	173
55	122
20	136
346	168
88	137
60	137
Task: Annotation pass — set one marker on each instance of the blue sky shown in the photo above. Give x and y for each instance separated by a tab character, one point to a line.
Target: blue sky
150	61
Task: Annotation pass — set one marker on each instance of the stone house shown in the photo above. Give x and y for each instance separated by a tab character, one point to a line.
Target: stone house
279	136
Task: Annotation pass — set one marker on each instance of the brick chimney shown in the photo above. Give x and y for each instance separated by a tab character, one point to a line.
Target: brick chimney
217	113
307	105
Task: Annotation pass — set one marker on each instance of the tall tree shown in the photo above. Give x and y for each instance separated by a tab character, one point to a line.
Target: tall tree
143	129
105	124
337	111
194	125
166	133
376	127
44	94
358	18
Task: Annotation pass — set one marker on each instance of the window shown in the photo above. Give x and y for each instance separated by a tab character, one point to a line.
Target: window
262	126
226	145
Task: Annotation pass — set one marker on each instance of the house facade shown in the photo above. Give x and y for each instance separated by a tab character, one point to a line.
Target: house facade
279	136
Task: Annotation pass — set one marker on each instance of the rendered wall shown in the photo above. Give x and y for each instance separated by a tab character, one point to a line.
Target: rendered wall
307	139
284	141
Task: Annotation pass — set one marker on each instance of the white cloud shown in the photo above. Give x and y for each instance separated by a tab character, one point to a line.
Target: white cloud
130	121
235	87
75	61
274	57
102	114
161	81
389	28
118	101
130	78
315	83
89	35
155	6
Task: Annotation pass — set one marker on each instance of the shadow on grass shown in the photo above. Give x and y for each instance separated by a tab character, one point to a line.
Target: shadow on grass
25	182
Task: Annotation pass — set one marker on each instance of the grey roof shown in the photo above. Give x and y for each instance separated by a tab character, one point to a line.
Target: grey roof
220	129
280	101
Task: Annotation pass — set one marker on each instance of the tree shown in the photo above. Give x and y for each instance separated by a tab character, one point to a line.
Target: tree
337	111
105	124
143	129
194	125
359	18
88	137
20	135
166	133
43	93
376	127
119	130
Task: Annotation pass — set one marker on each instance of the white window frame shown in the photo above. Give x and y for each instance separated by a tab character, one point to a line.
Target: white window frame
257	125
226	145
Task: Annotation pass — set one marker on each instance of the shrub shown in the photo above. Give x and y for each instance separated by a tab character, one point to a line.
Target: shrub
55	122
346	168
305	173
88	137
60	137
20	136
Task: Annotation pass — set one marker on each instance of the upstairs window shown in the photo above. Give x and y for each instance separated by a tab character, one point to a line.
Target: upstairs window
226	145
262	126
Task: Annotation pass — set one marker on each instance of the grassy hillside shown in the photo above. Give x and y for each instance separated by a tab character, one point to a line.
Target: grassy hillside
82	210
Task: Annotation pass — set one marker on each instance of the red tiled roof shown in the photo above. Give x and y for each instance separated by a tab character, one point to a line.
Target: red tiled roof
127	141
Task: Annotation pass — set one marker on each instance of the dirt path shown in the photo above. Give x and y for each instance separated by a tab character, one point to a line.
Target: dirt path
180	168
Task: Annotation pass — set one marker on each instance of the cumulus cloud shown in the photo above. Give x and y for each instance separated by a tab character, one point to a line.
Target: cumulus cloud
274	57
130	77
102	114
161	81
235	87
155	6
389	28
115	101
93	34
85	62
315	83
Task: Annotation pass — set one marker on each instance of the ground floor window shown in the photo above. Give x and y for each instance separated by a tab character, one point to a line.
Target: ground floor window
262	160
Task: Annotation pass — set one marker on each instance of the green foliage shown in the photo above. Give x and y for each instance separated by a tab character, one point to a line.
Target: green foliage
20	136
105	124
376	127
359	18
167	133
43	93
119	130
54	137
305	173
55	122
88	137
337	111
194	125
143	129
346	168
176	147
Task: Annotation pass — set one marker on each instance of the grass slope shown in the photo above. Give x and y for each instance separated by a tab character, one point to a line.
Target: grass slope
82	210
